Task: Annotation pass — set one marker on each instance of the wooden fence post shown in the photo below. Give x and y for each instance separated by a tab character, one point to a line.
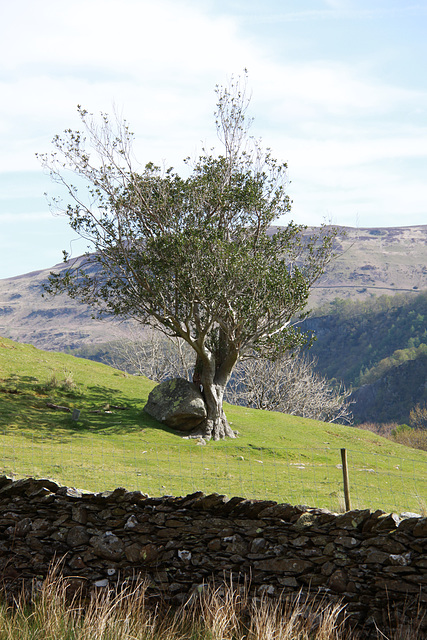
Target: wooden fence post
345	480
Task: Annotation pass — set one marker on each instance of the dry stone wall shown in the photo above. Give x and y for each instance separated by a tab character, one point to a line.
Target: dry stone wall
372	560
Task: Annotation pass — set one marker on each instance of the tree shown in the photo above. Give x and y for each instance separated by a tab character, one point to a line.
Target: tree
194	255
290	385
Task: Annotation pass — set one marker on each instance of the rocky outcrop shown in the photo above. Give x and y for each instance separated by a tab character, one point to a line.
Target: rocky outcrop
375	562
178	404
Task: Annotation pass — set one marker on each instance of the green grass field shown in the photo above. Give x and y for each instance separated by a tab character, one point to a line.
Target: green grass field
114	443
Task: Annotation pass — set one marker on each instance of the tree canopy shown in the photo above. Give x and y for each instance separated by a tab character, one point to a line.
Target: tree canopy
196	256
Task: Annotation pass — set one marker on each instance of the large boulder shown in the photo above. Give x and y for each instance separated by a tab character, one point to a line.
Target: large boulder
177	403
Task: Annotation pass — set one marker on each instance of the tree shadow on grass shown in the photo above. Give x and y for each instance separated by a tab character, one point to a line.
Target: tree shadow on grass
103	410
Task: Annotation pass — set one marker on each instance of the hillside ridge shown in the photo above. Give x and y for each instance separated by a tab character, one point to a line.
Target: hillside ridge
370	261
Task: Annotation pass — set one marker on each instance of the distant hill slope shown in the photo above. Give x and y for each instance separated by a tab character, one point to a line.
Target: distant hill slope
371	261
379	345
53	323
391	397
353	337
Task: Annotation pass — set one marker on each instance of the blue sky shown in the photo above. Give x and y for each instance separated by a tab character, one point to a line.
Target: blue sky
339	91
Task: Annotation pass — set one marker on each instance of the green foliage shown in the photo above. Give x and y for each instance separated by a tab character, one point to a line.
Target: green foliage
401	428
392	397
410	437
387	364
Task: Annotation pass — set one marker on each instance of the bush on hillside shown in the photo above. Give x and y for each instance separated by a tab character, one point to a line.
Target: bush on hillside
406	435
418	416
403	433
289	385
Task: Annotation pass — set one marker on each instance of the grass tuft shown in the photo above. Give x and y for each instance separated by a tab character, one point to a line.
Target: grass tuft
65	384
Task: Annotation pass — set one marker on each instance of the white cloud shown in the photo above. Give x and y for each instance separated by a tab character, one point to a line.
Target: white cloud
121	36
158	62
306	91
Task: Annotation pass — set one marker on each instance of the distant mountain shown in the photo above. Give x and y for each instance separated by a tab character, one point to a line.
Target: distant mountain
374	262
378	347
370	262
53	323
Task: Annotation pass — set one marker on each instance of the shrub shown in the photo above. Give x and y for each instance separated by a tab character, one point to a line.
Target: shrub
66	385
415	438
418	416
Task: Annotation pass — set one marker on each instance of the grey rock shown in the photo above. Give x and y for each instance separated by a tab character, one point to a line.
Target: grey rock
79	514
402	559
108	546
258	545
377	557
178	404
267	589
347	541
133	552
338	581
352	519
420	529
101	583
131	522
410	514
288	582
307	519
77	536
77	563
301	541
388	522
22	527
149	554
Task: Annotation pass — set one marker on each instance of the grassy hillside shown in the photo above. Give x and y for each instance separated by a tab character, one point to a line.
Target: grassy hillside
114	443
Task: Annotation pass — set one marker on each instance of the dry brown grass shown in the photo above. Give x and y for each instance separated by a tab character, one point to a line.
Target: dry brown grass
381	429
224	613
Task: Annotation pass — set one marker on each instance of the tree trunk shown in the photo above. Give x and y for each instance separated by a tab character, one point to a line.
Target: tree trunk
216	425
212	379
